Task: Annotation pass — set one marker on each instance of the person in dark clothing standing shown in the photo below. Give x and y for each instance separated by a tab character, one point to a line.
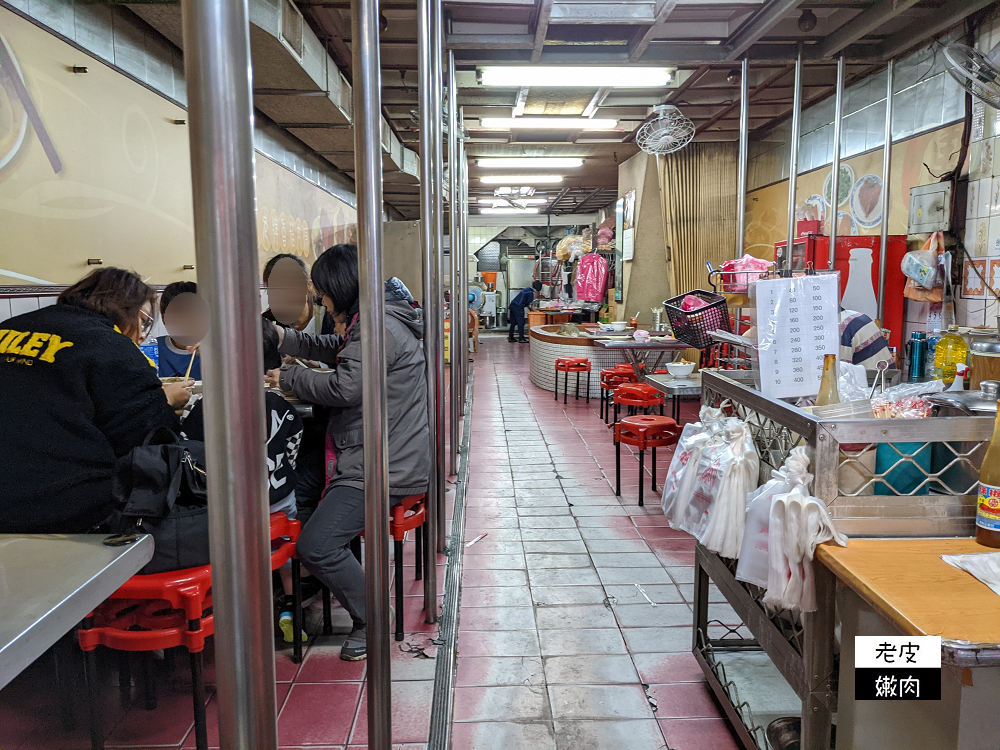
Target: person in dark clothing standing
518	318
78	394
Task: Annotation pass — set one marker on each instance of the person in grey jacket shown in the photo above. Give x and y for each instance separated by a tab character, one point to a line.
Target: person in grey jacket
323	546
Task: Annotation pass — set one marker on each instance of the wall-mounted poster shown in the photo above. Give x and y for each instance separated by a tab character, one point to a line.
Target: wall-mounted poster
628	227
619	257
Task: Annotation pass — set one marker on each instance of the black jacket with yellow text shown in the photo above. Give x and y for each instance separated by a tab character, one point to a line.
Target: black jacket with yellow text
75	394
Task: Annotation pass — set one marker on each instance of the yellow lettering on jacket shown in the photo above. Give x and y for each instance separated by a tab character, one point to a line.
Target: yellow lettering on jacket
6	339
34	344
14	343
55	345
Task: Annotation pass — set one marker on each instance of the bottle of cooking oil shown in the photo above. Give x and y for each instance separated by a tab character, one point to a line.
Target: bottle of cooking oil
829	392
950	352
988	503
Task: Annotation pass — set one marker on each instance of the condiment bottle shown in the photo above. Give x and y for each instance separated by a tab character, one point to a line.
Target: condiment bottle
951	351
829	393
988	502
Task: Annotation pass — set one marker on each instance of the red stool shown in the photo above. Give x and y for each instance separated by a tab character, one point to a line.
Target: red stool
151	612
611	378
568	365
637	396
643	431
286	533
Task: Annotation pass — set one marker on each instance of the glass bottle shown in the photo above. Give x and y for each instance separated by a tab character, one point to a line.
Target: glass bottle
988	502
951	351
829	393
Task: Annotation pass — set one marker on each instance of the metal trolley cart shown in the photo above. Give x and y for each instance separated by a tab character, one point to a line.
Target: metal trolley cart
879	478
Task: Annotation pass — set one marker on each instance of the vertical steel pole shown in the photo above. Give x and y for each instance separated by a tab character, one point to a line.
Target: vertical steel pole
741	181
886	166
463	234
838	116
217	68
457	303
427	211
793	165
368	178
440	421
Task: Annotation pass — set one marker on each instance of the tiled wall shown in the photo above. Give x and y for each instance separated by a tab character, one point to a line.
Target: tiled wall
543	365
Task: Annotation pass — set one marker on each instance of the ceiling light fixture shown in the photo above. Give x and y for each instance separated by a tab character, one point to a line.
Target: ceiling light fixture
547	123
734	76
807	21
496	202
531	162
578	77
508	210
522	179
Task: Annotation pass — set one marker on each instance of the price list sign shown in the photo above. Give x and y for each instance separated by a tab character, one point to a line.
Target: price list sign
798	322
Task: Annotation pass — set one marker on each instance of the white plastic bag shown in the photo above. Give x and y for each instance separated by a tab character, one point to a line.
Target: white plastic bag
723	532
852	382
753	563
684	464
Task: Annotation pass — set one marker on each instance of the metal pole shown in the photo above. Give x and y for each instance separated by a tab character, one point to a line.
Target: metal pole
217	69
368	179
741	182
838	116
886	165
431	352
463	234
440	421
793	166
457	303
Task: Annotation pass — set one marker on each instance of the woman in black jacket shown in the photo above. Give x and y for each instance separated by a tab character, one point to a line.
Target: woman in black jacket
77	394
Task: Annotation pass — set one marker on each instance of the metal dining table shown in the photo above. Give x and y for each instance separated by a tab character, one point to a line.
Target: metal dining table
50	582
638	354
675	389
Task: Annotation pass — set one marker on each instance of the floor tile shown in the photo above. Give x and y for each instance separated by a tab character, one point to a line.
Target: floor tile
497	596
616	545
668	668
498	618
493	562
502	643
694	734
307	718
563	577
658	640
552	595
642	734
555	548
499	670
582	702
577	616
536	561
625	560
661	593
646	615
642	576
550	535
411	713
322	663
581	641
502	735
691	700
590	670
505	703
494	578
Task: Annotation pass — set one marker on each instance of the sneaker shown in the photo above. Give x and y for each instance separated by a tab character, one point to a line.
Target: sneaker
287	627
355	648
511	340
522	341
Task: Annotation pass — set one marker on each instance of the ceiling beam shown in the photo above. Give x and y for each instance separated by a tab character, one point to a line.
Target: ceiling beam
541	28
753	92
522	99
552	204
489	41
641	39
942	19
864	23
753	30
586	200
596	101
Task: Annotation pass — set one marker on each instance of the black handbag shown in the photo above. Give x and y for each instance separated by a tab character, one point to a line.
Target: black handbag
159	488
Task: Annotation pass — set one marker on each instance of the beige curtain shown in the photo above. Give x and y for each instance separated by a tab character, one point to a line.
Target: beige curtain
698	189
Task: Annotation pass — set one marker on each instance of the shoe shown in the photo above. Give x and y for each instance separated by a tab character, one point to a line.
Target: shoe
287	626
355	648
511	340
522	341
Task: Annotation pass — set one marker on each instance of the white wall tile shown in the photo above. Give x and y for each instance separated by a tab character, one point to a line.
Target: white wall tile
21	305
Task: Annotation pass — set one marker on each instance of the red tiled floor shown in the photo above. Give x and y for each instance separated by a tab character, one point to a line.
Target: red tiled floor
318	713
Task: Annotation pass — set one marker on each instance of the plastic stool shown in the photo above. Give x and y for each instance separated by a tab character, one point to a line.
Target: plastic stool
568	365
643	431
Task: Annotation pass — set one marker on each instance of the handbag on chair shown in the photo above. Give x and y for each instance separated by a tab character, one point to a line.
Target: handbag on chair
160	488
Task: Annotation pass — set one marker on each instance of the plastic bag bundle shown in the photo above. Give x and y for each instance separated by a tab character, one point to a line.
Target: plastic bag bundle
683	466
754	563
983	565
925	271
852	382
592	278
737	274
798	522
731	477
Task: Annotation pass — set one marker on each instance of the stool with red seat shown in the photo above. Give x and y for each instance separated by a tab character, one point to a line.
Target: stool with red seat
286	533
568	365
643	431
611	378
636	396
148	613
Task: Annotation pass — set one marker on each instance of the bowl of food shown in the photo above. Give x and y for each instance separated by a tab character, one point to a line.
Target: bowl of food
641	336
681	368
618	325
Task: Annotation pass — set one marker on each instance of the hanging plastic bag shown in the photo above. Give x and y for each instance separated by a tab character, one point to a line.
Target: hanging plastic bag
753	563
737	274
925	274
684	465
592	278
723	533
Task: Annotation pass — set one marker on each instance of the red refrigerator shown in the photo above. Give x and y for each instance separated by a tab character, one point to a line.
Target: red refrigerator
815	248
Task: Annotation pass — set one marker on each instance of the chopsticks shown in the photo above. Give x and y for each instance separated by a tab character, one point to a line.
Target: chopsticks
194	352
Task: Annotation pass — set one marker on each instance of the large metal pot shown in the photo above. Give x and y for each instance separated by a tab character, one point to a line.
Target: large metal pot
984	358
978	403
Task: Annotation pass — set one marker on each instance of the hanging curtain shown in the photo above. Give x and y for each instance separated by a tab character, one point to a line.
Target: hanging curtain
698	190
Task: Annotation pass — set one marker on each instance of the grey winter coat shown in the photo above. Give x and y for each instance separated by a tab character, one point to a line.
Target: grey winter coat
406	398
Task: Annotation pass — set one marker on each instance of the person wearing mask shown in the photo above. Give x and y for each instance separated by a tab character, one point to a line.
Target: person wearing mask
78	394
173	358
516	311
324	546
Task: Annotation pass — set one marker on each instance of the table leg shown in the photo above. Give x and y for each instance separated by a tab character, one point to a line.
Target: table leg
818	663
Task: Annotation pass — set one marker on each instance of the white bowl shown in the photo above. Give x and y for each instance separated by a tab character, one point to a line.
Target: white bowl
641	335
618	325
680	371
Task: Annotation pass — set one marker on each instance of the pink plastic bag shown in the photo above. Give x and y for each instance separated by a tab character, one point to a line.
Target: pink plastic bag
737	274
592	278
690	302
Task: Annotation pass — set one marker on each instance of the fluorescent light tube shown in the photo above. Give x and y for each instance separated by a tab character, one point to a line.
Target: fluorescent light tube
634	77
530	162
521	179
495	202
547	123
508	210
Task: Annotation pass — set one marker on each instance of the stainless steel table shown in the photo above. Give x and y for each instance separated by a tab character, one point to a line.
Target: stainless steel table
50	582
637	353
676	389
